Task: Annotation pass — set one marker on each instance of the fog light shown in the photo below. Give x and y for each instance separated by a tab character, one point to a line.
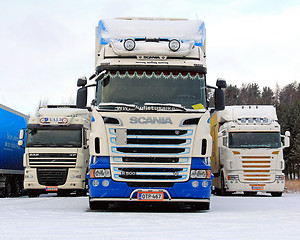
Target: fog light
174	45
95	183
129	44
204	183
105	183
195	183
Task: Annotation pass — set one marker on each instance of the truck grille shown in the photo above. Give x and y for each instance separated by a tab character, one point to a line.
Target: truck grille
150	160
52	159
52	176
153	141
150	155
150	173
256	168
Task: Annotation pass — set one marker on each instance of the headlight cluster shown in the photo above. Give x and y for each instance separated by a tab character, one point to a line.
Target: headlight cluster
233	177
279	177
203	174
100	173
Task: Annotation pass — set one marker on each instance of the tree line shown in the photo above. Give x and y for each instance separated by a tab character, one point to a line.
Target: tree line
287	103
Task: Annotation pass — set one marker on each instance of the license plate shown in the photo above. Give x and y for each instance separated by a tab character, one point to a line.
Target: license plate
150	196
52	189
257	187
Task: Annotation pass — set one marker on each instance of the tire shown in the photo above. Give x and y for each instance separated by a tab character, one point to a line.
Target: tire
33	193
200	206
17	186
222	190
276	194
8	187
97	205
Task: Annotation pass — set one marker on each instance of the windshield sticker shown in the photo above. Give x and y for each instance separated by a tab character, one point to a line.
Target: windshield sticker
198	106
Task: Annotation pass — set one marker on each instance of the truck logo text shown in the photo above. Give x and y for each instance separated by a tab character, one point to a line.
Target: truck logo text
151	120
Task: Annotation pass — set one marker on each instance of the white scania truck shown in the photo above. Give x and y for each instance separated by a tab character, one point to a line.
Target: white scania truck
150	134
56	153
247	151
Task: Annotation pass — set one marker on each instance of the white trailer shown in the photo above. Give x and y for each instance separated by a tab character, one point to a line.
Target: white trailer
248	151
56	155
150	135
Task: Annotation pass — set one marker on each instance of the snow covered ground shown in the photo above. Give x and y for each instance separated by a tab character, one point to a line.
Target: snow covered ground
234	217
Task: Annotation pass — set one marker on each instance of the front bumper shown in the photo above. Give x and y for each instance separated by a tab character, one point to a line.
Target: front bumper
190	191
237	186
73	181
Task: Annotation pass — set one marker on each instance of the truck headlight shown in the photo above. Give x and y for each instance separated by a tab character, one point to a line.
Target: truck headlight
233	177
201	174
129	44
279	177
100	173
174	45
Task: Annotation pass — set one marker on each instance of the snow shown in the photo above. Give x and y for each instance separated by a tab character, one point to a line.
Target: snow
147	28
230	217
249	111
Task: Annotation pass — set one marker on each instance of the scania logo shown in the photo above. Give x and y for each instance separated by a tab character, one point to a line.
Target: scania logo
151	120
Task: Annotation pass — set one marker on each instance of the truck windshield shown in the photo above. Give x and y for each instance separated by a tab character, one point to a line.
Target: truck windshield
254	140
183	88
54	137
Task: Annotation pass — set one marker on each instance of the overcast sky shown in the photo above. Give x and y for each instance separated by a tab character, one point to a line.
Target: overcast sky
45	45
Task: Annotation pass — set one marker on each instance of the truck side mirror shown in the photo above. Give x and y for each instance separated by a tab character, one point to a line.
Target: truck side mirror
219	95
81	99
221	83
22	134
287	139
81	82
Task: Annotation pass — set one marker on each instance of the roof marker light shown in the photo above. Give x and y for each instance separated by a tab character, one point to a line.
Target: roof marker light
174	45
129	44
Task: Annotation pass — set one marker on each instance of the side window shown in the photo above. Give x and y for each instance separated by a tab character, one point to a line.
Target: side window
224	139
84	136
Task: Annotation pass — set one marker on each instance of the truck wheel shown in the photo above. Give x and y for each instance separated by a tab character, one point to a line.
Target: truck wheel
200	206
222	190
33	193
95	205
17	184
8	187
276	194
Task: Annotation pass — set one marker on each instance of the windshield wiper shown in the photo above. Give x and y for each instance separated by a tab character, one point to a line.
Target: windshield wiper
164	106
117	106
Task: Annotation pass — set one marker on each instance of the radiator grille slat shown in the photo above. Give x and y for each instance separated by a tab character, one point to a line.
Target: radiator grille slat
256	168
52	176
164	149
52	159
